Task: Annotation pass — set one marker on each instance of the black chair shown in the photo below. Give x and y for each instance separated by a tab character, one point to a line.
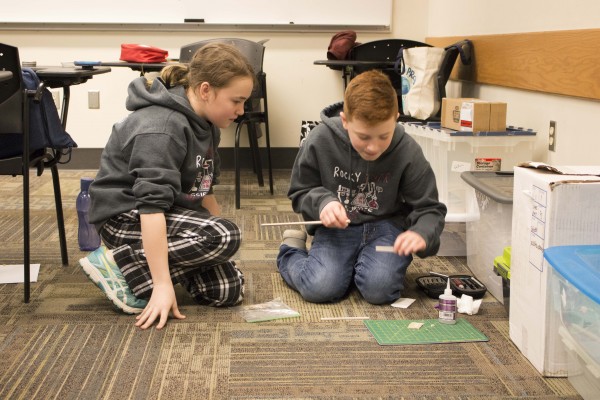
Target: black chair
256	110
387	50
14	120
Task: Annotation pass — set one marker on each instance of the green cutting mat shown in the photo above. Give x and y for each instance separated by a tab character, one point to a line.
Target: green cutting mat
432	331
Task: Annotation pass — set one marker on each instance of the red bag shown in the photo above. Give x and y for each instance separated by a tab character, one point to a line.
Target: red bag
340	45
142	53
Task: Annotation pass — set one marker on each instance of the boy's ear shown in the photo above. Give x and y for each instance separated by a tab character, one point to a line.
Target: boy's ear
344	120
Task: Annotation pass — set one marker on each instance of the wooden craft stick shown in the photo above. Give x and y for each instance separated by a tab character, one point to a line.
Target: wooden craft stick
293	223
385	249
341	318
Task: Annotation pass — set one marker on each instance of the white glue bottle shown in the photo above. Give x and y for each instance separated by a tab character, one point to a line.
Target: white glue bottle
447	306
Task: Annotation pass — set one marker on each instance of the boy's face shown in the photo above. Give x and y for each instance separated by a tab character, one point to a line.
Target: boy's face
370	141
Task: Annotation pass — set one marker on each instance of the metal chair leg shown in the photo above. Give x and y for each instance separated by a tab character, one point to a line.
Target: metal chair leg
26	236
236	158
255	150
268	140
60	220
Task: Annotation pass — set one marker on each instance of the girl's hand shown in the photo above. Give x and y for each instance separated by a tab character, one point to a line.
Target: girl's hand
333	215
408	243
161	302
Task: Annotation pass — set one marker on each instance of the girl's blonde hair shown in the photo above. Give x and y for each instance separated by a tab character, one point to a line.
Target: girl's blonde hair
215	63
370	98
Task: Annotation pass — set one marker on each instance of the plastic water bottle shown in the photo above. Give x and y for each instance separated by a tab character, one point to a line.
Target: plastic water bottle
87	236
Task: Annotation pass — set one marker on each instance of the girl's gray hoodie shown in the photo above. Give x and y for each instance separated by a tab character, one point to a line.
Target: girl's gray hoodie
162	154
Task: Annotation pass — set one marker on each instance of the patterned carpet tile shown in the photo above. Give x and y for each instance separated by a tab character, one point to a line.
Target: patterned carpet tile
69	342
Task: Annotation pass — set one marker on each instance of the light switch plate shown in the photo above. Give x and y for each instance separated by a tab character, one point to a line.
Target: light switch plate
94	99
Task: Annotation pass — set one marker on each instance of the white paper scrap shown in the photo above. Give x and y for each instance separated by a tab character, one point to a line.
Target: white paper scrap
14	273
415	325
403	302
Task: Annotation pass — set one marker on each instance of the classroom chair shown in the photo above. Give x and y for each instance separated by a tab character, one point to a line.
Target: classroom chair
256	110
15	104
388	50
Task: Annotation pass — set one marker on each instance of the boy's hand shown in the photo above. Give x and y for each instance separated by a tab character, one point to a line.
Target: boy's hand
408	243
334	215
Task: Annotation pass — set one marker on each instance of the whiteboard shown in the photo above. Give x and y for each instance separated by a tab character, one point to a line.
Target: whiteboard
252	12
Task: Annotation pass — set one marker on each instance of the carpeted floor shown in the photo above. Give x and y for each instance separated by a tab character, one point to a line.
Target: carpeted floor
69	343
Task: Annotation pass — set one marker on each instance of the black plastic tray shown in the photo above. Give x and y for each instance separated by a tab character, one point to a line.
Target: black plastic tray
434	285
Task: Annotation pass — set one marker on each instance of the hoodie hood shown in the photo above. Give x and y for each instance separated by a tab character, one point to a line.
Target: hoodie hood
158	94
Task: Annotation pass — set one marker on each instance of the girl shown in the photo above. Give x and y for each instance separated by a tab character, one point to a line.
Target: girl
152	199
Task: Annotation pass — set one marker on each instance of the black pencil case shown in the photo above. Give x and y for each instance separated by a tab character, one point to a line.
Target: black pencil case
434	285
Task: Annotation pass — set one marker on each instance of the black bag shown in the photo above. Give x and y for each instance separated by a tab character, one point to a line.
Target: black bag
45	127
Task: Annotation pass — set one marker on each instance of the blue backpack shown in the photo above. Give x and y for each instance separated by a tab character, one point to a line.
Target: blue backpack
45	127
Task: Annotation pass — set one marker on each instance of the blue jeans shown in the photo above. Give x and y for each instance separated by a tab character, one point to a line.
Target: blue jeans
339	257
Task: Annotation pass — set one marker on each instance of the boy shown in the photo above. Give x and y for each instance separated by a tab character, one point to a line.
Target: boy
369	184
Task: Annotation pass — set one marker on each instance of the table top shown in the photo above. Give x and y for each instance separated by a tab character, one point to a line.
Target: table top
355	63
137	66
5	75
57	76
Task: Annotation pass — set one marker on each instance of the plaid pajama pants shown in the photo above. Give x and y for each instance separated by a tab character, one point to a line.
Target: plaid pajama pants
199	247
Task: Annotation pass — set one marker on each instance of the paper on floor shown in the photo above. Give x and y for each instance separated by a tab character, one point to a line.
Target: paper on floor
402	302
14	273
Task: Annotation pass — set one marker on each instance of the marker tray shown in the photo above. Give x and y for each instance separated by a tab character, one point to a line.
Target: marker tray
434	285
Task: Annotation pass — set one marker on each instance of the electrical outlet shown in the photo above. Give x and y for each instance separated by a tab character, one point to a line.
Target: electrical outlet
94	99
552	136
56	98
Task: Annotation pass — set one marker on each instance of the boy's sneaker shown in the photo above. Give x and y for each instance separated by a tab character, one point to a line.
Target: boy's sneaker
105	273
294	238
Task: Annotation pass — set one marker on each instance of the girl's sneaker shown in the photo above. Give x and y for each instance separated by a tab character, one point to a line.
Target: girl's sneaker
105	273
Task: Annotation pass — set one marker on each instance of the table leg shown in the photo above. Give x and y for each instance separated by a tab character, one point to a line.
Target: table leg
65	106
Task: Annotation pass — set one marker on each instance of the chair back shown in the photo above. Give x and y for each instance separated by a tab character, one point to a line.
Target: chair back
11	91
253	51
384	49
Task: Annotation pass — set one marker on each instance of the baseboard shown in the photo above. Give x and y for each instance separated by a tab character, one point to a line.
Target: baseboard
281	158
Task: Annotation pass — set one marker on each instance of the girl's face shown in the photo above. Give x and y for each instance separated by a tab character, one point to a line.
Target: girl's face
222	106
370	141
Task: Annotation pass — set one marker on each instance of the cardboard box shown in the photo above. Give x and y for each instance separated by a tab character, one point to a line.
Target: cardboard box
473	115
552	206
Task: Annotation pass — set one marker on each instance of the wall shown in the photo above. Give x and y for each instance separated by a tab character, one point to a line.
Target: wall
576	119
297	89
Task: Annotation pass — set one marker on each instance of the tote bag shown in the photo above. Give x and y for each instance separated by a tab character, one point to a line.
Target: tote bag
419	70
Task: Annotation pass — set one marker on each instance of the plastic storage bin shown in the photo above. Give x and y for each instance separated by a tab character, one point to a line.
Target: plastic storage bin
450	153
489	227
574	306
502	269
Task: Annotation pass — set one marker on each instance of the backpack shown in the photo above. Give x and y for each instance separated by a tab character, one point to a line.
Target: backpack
45	127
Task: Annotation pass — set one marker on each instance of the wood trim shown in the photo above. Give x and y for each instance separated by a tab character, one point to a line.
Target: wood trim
560	62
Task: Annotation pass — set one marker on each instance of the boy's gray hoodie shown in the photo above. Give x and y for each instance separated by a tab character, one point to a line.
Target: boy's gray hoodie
399	185
162	154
